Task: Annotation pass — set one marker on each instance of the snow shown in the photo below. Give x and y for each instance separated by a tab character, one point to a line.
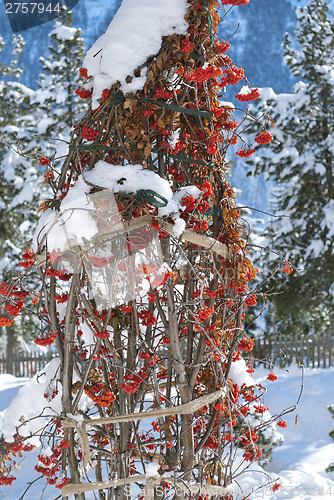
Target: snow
78	418
136	24
315	248
25	408
11	159
9	386
226	104
299	463
267	93
174	205
179	227
75	224
173	138
43	125
238	374
152	470
245	90
328	221
25	226
63	32
127	179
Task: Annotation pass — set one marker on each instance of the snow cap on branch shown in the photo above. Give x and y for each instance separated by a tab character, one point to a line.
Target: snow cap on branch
132	37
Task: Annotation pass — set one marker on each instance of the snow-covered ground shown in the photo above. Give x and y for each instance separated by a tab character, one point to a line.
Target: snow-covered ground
299	464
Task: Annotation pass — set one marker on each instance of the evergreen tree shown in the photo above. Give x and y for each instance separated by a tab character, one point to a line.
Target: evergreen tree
18	176
58	104
31	118
300	162
56	99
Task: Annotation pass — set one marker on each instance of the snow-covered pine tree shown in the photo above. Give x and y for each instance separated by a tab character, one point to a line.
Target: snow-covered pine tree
15	171
30	119
58	106
300	162
18	176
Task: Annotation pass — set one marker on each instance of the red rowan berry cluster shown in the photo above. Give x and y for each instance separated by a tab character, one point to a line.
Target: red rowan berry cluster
102	335
282	424
50	396
252	454
221	47
48	177
203	74
245	153
229	125
84	93
100	394
260	409
189	203
163	94
27	259
251	300
83	72
233	140
62	275
207	190
263	138
251	96
132	382
7	480
49	465
14	309
246	344
89	133
47	339
60	299
272	377
205	313
249	437
6	321
146	317
155	224
44	161
126	309
147	113
287	268
105	94
187	46
232	75
235	2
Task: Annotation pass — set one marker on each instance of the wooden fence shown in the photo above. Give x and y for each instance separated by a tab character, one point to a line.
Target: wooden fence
24	364
313	351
